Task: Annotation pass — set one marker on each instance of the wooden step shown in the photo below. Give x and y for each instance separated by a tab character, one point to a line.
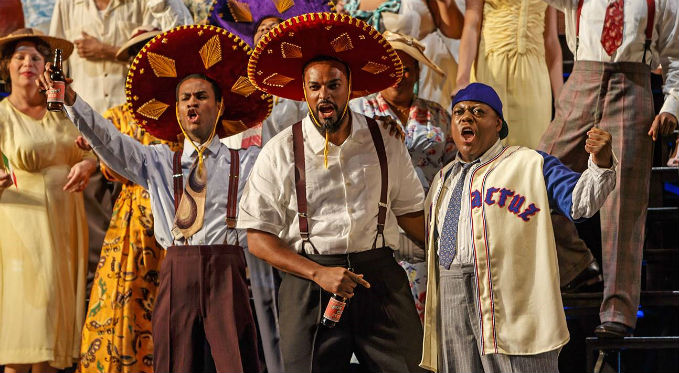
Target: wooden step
617	344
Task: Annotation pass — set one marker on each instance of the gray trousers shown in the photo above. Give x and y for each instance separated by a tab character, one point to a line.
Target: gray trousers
459	331
265	294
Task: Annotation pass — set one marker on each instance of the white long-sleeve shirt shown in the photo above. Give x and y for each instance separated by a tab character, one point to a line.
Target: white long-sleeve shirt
664	48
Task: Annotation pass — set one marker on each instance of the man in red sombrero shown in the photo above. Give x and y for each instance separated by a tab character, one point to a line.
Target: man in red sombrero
202	306
326	197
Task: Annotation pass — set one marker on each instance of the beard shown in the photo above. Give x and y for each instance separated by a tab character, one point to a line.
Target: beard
331	124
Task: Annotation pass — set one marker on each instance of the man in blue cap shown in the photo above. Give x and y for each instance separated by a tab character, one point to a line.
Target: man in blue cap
493	297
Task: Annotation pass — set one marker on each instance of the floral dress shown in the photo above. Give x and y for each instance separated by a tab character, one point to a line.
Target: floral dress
117	332
431	147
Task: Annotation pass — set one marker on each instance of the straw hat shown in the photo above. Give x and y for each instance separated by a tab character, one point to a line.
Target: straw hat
141	33
277	62
412	47
54	43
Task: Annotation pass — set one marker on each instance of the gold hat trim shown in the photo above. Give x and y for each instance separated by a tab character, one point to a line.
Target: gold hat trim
374	67
277	80
289	50
283	5
342	43
211	52
243	87
239	11
153	109
163	67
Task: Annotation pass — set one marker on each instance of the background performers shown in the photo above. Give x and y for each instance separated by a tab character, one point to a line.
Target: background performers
493	297
327	195
202	300
43	228
610	88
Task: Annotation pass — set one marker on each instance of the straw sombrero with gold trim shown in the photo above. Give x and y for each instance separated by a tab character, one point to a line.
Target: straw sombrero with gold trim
196	49
277	62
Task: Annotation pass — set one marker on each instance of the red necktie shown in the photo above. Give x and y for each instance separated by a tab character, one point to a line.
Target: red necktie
611	35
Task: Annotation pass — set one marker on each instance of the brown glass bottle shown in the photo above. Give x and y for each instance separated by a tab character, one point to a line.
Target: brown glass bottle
55	95
333	311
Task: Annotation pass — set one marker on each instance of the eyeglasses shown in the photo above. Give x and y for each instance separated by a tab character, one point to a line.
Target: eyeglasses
476	111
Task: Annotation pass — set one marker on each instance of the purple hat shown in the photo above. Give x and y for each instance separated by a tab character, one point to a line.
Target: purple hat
485	94
242	17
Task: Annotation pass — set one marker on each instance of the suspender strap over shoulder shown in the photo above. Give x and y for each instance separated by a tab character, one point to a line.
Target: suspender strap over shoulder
177	178
231	204
300	178
384	173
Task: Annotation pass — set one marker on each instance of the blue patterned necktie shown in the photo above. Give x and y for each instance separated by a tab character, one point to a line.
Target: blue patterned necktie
448	238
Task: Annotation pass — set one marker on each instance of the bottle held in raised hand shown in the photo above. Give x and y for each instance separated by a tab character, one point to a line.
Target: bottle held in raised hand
333	311
55	95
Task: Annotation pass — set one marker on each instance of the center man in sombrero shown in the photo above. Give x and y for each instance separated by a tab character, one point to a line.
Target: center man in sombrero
190	83
326	197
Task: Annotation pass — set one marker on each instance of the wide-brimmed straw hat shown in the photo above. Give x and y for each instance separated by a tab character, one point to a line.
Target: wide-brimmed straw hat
196	49
242	17
280	56
30	33
412	47
140	34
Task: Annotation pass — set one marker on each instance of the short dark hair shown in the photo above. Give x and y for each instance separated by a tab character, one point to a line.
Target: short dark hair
327	58
215	86
8	50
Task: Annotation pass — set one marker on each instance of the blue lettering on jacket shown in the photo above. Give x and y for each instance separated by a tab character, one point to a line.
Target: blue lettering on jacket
489	195
476	199
514	206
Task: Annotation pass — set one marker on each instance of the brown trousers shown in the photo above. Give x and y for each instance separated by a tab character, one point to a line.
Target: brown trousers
380	324
622	92
203	309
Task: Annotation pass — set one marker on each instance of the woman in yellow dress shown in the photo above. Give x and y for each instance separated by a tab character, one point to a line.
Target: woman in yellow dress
43	229
513	46
117	332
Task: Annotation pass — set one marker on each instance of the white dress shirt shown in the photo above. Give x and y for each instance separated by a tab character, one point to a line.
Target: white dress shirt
102	82
342	200
589	194
151	167
443	51
664	48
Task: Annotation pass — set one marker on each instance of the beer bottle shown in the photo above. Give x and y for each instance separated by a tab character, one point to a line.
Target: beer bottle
333	311
55	95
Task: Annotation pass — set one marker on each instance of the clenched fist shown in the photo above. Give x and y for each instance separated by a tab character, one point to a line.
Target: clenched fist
598	144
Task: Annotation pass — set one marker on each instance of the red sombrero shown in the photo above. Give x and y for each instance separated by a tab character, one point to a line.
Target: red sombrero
194	49
278	59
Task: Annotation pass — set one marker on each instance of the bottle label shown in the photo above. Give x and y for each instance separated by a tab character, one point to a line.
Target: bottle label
56	93
333	311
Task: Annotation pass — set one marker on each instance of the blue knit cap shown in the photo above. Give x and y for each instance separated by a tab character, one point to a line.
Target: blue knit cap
485	94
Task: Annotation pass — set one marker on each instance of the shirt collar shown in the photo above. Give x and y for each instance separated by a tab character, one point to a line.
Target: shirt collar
190	151
359	132
488	155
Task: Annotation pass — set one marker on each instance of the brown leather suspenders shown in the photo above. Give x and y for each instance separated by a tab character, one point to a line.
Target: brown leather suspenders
300	179
232	199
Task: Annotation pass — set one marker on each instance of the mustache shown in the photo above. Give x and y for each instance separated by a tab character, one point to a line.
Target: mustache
326	102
